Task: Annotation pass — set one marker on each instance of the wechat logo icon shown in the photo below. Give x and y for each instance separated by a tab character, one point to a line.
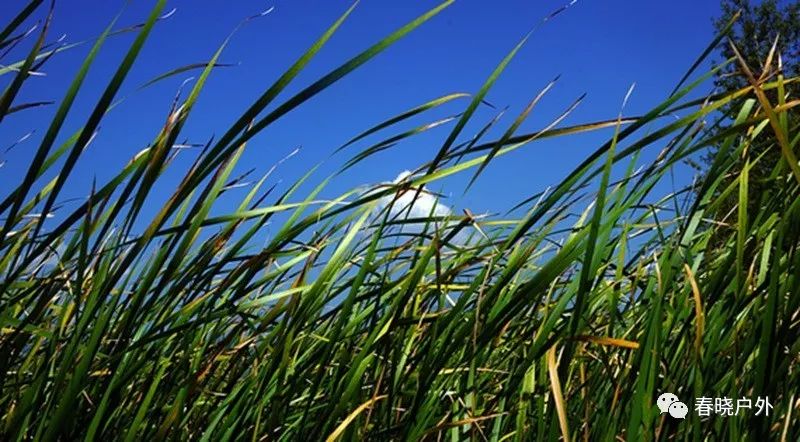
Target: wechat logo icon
669	403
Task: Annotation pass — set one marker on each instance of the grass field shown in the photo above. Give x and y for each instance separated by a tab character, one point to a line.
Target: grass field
562	320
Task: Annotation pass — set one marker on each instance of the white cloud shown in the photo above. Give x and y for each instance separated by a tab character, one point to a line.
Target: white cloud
411	203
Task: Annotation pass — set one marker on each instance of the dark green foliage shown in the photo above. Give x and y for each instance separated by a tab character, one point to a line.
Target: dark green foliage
761	24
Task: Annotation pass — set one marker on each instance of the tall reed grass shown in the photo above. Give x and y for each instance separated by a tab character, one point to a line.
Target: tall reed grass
563	320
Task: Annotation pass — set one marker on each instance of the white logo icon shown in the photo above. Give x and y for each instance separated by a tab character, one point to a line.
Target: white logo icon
665	400
678	410
669	403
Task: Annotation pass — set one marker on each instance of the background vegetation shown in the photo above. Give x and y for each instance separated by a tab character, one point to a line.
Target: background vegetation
759	25
564	319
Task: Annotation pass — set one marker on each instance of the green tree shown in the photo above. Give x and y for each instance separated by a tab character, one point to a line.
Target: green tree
755	31
760	24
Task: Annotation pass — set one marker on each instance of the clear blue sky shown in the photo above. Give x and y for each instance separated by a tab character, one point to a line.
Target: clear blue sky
599	47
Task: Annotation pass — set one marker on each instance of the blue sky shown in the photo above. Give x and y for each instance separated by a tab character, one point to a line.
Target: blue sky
598	47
